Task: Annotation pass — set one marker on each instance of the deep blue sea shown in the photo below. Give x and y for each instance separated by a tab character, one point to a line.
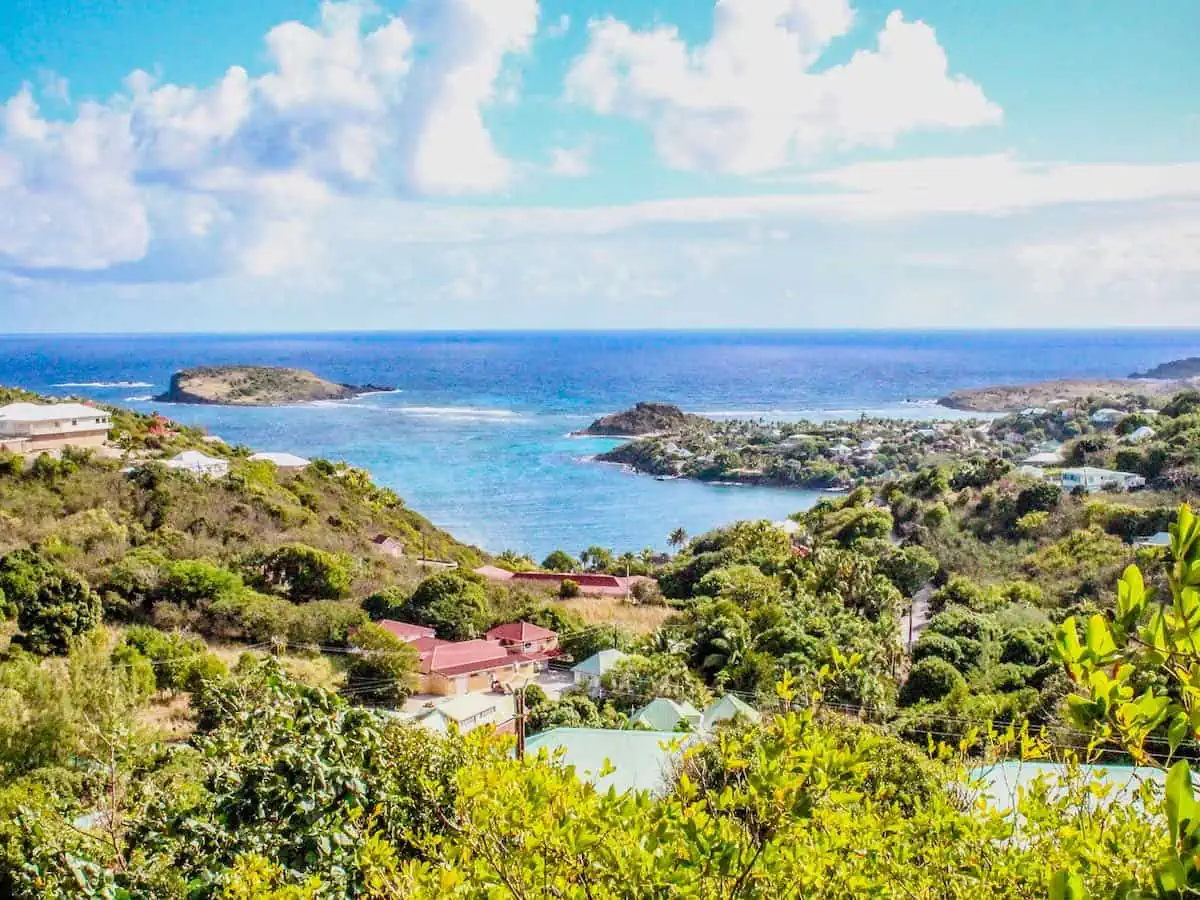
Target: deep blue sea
476	437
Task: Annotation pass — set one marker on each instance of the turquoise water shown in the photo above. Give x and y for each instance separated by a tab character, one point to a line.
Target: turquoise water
477	436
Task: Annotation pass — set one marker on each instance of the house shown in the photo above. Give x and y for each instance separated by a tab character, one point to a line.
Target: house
630	760
406	631
1033	411
526	638
285	462
1030	471
1158	539
727	708
1107	416
34	427
469	712
1003	783
459	667
1091	479
1047	447
588	673
388	545
1045	458
1142	433
661	714
197	463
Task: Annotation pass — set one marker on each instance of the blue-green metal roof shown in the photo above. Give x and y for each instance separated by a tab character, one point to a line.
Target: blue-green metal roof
642	760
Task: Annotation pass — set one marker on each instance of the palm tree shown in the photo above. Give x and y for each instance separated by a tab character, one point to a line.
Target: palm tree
678	537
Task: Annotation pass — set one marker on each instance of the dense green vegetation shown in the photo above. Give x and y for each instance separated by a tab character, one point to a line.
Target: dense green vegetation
169	729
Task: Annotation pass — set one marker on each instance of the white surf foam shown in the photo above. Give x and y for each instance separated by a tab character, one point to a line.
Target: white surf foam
104	384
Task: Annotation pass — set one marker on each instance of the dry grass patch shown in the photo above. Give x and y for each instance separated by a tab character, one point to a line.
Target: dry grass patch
170	715
617	611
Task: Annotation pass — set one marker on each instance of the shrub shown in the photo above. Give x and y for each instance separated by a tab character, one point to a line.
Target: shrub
451	603
191	583
647	592
386	604
53	603
568	588
1025	648
1007	678
929	680
560	561
1042	496
958	591
908	568
303	573
385	668
933	645
1031	523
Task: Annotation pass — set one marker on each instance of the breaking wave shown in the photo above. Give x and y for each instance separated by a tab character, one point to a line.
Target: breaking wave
104	384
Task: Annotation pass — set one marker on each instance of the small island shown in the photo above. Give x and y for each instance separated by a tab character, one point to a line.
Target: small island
641	420
1176	368
256	386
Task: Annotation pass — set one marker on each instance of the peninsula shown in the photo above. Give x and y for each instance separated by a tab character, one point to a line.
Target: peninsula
255	386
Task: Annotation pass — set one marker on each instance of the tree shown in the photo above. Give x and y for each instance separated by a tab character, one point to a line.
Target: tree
303	573
560	561
192	583
1042	496
908	568
386	604
451	603
568	589
930	679
597	559
53	603
384	669
677	538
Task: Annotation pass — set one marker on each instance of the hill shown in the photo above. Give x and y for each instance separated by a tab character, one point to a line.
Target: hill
255	386
642	419
1176	368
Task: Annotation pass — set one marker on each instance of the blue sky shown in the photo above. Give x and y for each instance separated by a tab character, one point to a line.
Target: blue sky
280	164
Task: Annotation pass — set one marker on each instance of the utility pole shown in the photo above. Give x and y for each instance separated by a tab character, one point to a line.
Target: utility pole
519	699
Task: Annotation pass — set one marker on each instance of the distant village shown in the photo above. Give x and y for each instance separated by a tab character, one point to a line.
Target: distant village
838	456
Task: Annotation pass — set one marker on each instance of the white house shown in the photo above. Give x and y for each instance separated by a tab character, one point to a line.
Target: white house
1142	433
468	712
1107	416
1092	479
587	674
197	463
1030	471
1051	458
31	427
1158	539
285	462
728	708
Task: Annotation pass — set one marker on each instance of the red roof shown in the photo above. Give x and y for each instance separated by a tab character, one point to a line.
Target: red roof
521	632
462	657
406	631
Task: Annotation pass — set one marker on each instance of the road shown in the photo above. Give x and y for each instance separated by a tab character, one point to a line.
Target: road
912	623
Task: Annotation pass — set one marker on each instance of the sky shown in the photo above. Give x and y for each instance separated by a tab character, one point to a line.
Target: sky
219	165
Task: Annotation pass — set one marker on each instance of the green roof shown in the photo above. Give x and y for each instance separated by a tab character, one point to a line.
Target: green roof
661	714
640	759
729	707
599	663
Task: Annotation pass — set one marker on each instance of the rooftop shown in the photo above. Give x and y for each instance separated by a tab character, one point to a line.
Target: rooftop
406	631
282	460
42	412
662	714
599	663
520	632
642	760
462	657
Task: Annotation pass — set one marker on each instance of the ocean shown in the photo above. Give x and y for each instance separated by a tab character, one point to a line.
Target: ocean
476	436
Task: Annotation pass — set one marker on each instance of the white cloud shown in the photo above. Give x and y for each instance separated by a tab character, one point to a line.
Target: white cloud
570	162
750	100
559	28
1141	259
200	179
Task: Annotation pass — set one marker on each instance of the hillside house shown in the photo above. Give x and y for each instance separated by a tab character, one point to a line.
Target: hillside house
727	708
469	712
406	631
1092	479
35	427
588	673
388	545
661	714
624	760
525	637
284	462
197	463
460	667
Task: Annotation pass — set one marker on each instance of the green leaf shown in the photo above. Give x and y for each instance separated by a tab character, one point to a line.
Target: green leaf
1180	802
1067	886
